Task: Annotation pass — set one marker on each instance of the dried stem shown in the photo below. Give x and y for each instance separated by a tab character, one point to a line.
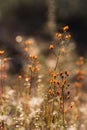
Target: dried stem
63	106
1	77
31	81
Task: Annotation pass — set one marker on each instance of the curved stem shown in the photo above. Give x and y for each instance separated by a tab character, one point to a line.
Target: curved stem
57	59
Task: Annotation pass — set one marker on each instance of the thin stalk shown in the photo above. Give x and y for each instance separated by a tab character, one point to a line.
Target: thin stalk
4	80
57	59
20	87
30	82
63	106
1	77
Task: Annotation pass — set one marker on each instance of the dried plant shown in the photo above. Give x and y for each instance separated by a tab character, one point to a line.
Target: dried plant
40	100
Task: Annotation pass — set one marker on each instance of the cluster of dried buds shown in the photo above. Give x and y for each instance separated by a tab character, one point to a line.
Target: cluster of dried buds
61	38
64	35
27	44
58	82
59	85
59	89
80	75
34	65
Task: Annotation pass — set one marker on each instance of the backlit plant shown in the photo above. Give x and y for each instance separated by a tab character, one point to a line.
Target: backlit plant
40	100
59	85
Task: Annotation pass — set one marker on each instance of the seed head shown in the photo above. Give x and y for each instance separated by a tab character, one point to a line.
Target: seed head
51	47
2	52
59	36
19	77
67	37
29	42
5	59
65	28
26	49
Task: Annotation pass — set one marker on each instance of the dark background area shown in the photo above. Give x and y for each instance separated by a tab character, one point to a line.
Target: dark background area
28	17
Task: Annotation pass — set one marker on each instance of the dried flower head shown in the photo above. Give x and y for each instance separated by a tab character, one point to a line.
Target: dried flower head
28	42
19	77
59	36
67	37
5	59
80	62
65	28
26	49
35	57
51	47
2	52
72	104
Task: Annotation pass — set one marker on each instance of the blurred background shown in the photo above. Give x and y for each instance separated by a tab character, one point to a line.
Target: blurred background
41	19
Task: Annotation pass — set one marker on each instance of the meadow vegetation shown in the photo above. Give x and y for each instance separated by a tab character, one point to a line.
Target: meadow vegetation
47	94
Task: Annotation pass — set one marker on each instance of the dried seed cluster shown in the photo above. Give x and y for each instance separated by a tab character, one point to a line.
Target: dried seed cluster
80	75
58	82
